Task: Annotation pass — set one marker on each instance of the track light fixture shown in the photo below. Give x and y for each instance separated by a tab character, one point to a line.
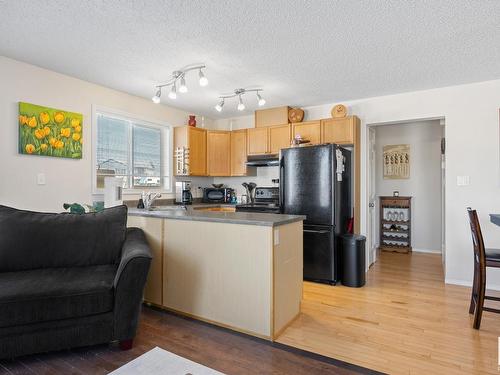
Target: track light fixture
180	75
182	87
203	79
156	98
241	106
261	101
219	106
173	92
239	93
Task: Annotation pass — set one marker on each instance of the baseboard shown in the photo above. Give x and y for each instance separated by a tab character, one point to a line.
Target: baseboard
426	251
469	284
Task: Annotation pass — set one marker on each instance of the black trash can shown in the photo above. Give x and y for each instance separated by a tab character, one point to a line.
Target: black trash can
353	260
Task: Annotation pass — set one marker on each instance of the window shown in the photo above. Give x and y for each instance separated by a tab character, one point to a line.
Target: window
132	149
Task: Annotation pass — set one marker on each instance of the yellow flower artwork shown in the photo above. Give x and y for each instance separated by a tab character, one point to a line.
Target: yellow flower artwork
49	131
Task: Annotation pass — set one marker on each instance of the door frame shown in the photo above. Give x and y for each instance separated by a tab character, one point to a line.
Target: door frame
365	180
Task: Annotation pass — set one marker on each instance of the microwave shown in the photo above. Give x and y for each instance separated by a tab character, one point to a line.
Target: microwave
217	195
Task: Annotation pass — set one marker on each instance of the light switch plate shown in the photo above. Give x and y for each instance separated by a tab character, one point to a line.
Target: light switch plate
276	236
463	180
40	179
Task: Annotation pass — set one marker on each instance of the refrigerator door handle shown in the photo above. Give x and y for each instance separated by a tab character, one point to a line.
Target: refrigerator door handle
282	184
316	231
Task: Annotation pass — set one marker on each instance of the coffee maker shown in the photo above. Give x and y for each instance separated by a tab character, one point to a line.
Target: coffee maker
183	192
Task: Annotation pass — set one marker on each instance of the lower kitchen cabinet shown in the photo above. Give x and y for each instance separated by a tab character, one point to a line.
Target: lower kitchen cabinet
310	130
250	280
218	153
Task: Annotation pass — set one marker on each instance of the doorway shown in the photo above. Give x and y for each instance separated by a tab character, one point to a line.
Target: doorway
424	183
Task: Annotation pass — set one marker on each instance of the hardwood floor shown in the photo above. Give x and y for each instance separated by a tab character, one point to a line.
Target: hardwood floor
404	321
218	348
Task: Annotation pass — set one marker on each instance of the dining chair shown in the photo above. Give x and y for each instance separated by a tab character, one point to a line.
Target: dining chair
483	258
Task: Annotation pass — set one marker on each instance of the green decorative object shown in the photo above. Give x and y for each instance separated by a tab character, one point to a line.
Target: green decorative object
50	132
74	208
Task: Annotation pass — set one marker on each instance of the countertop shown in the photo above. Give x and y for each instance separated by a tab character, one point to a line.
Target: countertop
194	214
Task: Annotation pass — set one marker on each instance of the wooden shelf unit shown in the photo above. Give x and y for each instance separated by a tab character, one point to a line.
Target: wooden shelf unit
395	234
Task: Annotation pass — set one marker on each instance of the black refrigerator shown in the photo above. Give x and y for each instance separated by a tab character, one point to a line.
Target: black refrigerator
315	181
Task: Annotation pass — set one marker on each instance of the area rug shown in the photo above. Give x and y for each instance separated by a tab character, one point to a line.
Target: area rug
161	362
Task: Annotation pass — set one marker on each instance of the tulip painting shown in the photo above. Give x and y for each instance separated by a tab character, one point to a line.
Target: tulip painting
50	132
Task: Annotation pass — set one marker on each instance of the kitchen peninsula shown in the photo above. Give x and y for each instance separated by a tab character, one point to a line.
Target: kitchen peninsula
238	270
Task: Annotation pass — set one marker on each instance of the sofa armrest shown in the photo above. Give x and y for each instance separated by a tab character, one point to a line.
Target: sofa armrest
129	283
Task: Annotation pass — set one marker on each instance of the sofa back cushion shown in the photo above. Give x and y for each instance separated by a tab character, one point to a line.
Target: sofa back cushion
31	240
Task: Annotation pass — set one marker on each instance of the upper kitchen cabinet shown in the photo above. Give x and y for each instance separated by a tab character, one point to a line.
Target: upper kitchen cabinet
271	116
342	131
190	151
257	141
268	139
279	137
309	130
218	153
238	152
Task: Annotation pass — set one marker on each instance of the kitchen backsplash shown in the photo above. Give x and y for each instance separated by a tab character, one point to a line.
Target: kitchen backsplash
263	178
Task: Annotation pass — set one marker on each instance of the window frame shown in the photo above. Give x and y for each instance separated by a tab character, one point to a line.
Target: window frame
166	146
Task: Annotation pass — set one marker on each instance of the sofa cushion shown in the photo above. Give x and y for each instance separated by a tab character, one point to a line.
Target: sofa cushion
55	293
31	240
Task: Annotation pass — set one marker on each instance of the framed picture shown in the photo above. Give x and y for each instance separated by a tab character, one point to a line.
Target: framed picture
50	132
396	162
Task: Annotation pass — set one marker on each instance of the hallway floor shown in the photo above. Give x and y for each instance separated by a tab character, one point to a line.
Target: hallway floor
404	321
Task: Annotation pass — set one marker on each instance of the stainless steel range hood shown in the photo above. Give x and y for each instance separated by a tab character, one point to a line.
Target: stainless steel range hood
262	161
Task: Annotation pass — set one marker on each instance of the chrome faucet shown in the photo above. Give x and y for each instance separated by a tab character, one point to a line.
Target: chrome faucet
149	198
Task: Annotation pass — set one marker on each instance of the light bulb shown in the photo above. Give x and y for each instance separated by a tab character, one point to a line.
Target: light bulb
156	98
203	79
219	106
262	101
241	106
173	92
183	88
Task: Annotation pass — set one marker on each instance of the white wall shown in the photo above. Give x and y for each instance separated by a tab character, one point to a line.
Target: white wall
424	184
66	180
234	123
471	115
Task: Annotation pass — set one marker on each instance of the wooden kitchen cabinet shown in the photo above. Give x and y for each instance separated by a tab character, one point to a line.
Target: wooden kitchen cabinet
339	130
218	153
309	130
268	140
271	116
238	152
279	137
257	141
195	141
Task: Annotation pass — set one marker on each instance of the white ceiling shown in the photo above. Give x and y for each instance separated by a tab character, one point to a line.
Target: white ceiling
301	52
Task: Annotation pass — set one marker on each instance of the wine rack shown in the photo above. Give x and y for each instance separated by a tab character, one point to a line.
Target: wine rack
395	224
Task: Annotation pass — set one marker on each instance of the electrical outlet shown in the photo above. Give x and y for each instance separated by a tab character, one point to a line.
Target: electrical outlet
40	179
463	180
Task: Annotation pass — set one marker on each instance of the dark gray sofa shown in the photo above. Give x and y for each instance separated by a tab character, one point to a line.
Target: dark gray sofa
69	280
